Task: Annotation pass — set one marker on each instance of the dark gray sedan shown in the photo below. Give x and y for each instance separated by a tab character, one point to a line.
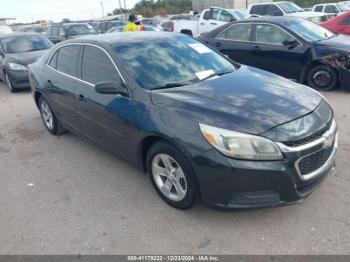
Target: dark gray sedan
17	51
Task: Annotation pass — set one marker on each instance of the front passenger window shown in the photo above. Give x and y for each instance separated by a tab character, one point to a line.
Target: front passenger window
270	34
97	67
225	16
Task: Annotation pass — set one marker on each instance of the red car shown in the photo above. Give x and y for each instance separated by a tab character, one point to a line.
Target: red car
339	24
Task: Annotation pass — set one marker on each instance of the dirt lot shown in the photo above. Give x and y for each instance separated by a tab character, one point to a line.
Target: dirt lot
66	196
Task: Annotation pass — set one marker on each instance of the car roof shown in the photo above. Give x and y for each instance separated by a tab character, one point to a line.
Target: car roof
269	3
18	34
270	19
125	37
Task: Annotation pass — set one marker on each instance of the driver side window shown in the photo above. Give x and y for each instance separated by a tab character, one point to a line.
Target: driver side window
225	16
270	34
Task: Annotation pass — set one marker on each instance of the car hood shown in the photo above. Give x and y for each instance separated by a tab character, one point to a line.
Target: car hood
340	42
306	14
26	58
248	100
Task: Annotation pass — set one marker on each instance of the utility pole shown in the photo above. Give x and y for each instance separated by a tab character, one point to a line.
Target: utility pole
103	11
126	12
120	8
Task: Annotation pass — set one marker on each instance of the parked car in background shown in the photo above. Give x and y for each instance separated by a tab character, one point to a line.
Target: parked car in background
340	24
103	27
331	8
119	29
37	29
17	51
290	47
5	29
285	9
63	31
208	20
203	127
153	22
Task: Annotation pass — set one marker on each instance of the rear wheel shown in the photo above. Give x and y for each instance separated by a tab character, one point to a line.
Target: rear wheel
172	176
322	77
49	119
9	83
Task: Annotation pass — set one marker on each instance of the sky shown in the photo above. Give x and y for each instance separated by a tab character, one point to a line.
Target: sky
33	10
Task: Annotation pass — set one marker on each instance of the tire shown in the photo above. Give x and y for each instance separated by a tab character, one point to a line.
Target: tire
322	77
49	119
177	184
9	83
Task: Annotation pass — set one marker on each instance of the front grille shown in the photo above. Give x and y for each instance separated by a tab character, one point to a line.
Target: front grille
313	162
305	140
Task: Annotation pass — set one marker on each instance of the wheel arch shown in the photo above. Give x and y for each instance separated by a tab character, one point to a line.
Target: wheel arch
315	63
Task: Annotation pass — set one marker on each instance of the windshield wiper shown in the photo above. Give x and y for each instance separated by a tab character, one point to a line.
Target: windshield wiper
171	85
216	74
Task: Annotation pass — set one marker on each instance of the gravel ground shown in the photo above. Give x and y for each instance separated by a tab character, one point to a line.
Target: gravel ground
66	196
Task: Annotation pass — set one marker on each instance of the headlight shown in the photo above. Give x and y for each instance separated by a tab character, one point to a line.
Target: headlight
241	145
17	67
316	20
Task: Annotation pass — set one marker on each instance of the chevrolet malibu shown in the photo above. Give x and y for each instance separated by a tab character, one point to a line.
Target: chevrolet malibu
201	126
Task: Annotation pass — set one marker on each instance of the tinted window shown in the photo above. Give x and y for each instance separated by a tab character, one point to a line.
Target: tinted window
80	29
53	61
49	30
346	21
97	67
25	43
331	9
273	10
319	8
55	30
67	60
238	32
170	60
215	14
270	34
206	15
257	10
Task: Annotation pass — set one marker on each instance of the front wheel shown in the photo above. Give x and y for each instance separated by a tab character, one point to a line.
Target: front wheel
322	77
172	176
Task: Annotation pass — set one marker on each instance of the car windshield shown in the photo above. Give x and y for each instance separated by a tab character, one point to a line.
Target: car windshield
170	61
290	8
19	44
80	30
307	30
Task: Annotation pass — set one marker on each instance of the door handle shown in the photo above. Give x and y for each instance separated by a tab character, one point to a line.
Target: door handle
256	49
81	98
213	23
218	44
202	24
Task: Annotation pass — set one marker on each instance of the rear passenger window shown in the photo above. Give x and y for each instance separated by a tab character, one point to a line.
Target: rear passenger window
257	10
53	61
67	60
319	8
331	9
273	10
97	66
237	32
55	31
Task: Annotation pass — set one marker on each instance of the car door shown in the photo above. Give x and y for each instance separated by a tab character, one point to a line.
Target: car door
235	42
2	57
204	22
100	114
219	17
61	74
277	51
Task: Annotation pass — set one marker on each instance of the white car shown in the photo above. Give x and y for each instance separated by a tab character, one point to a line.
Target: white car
5	30
331	8
285	9
208	20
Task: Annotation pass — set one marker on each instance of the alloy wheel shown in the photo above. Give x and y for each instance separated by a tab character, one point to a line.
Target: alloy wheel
169	177
47	115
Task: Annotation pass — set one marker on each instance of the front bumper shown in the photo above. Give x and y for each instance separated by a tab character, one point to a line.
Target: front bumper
19	79
238	184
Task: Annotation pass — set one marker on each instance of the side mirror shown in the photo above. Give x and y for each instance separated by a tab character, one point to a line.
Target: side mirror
232	19
111	88
291	43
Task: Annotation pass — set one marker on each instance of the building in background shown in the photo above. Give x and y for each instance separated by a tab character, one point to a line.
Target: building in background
199	5
3	21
